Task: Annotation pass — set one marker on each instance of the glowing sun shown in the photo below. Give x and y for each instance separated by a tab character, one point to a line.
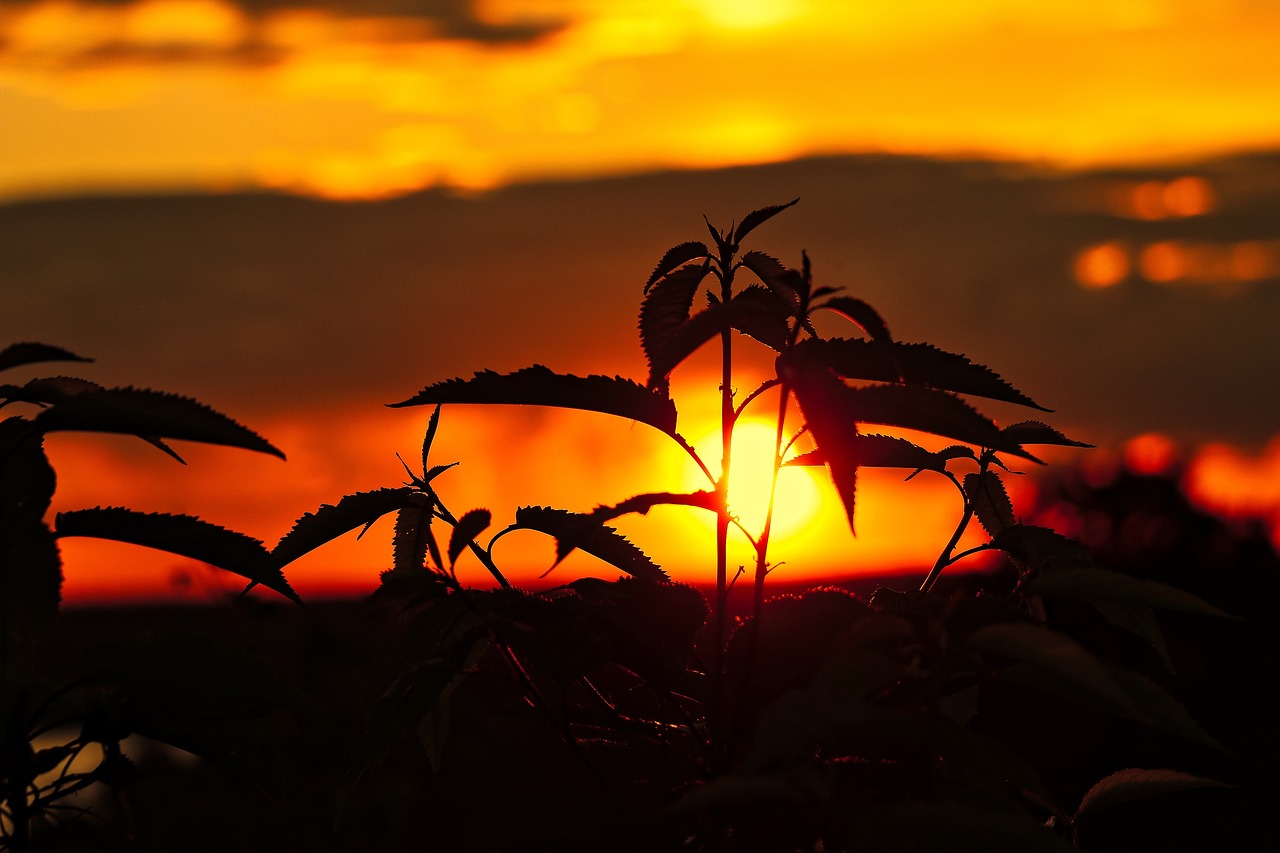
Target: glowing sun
798	497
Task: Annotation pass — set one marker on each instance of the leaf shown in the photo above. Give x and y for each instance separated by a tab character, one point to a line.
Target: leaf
413	538
598	540
929	410
1139	621
990	501
332	520
1060	665
1035	432
16	355
879	451
539	386
758	217
46	390
831	414
466	530
753	312
183	535
666	308
27	480
1042	548
1092	583
142	412
1126	786
786	284
919	364
674	257
861	314
30	582
428	439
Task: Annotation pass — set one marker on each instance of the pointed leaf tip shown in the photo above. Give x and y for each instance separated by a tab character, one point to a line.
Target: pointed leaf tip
16	355
674	257
471	525
756	218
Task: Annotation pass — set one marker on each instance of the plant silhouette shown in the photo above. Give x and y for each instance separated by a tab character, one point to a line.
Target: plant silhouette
634	714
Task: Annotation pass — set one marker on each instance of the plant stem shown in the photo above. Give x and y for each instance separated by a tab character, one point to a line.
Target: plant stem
716	706
944	559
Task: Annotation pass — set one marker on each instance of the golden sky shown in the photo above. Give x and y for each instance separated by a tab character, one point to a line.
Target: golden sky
373	98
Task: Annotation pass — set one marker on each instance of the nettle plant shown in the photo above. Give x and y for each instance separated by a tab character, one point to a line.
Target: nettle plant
60	738
635	714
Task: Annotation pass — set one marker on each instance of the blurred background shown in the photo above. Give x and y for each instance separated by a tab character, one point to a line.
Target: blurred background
299	212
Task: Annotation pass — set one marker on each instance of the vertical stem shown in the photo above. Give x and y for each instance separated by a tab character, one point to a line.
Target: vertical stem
716	705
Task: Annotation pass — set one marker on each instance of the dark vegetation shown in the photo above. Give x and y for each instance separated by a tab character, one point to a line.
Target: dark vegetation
1053	704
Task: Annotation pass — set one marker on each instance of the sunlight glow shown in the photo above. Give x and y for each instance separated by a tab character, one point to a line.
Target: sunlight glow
797	498
1101	266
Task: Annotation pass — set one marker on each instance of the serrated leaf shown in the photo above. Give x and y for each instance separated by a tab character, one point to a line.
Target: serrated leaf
784	283
539	386
919	364
990	501
183	535
142	412
413	539
1094	583
1125	786
929	410
861	314
597	540
16	355
1035	432
46	390
831	416
756	218
666	308
879	451
752	312
674	257
429	438
332	520
602	515
1042	548
469	526
27	480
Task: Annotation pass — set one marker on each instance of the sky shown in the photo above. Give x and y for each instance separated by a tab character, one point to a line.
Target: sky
1092	226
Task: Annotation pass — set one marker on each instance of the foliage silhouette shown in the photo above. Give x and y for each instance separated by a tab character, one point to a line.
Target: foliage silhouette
636	714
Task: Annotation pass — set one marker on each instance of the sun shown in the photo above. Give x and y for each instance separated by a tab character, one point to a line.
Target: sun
798	497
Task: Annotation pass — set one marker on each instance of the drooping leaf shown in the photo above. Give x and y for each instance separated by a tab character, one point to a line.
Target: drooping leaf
183	535
861	314
602	515
16	355
332	520
587	535
429	438
762	314
920	364
831	415
469	526
666	308
879	451
1098	584
674	257
758	217
142	412
990	501
539	386
1126	786
1035	432
784	283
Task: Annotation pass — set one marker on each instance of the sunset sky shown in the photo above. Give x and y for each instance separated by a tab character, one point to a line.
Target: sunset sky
302	319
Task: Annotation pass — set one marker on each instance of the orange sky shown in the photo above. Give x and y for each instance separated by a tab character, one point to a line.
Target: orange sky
213	95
